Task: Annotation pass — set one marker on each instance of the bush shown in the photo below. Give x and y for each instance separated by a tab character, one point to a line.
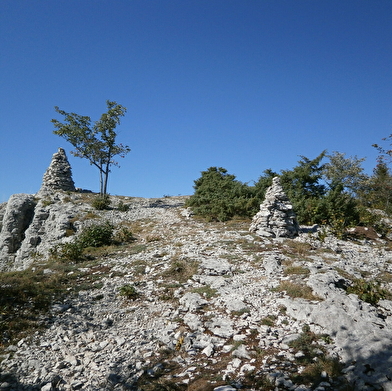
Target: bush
68	252
369	291
101	202
129	291
219	196
124	235
97	235
122	207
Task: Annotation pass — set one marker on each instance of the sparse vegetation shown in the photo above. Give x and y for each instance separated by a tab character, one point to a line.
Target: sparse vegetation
296	290
25	296
97	235
129	292
369	291
205	291
124	235
314	358
101	202
268	321
180	269
68	252
122	207
297	270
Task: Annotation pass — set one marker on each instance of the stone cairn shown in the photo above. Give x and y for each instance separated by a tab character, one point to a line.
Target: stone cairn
276	217
58	176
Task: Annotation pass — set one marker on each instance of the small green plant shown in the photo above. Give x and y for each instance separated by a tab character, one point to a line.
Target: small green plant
97	235
240	312
268	321
369	291
124	235
46	203
129	292
101	202
180	269
314	358
68	252
205	291
307	343
122	207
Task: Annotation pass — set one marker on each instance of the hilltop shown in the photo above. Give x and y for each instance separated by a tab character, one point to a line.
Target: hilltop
177	303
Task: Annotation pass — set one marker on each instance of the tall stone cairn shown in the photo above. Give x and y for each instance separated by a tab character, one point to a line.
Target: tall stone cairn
276	217
58	176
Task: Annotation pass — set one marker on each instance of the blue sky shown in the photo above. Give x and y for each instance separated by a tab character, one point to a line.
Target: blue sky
241	84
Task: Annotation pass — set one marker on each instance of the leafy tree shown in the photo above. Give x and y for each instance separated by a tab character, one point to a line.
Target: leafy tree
302	186
219	196
96	142
385	154
378	190
347	172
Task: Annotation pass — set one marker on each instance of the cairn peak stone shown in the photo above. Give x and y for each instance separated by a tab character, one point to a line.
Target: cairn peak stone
58	176
276	217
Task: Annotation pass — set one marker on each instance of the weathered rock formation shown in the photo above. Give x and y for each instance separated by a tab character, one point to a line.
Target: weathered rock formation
276	217
17	217
58	176
32	226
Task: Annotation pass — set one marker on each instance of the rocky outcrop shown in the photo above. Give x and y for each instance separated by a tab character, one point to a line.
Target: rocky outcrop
16	219
51	224
361	333
276	217
35	223
58	176
228	318
33	226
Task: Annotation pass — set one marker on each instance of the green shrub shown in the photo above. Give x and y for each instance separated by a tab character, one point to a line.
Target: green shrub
97	235
122	207
129	292
101	202
369	291
68	252
219	196
124	235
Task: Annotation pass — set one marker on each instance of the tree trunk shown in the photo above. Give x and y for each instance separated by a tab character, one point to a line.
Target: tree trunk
101	183
105	179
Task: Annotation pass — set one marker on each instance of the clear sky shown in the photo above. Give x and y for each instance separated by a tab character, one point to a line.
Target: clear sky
241	84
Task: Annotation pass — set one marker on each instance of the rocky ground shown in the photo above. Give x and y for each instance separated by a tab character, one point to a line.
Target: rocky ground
210	307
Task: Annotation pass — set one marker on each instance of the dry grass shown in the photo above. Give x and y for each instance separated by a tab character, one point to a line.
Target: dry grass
293	248
25	296
180	269
296	270
295	290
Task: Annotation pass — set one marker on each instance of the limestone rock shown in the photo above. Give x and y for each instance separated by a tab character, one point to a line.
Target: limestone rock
276	217
58	176
93	339
17	217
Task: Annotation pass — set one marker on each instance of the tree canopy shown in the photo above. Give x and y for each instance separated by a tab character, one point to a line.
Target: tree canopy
94	141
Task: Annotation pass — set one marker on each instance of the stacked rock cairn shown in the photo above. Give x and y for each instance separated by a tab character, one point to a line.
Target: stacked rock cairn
58	176
276	217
